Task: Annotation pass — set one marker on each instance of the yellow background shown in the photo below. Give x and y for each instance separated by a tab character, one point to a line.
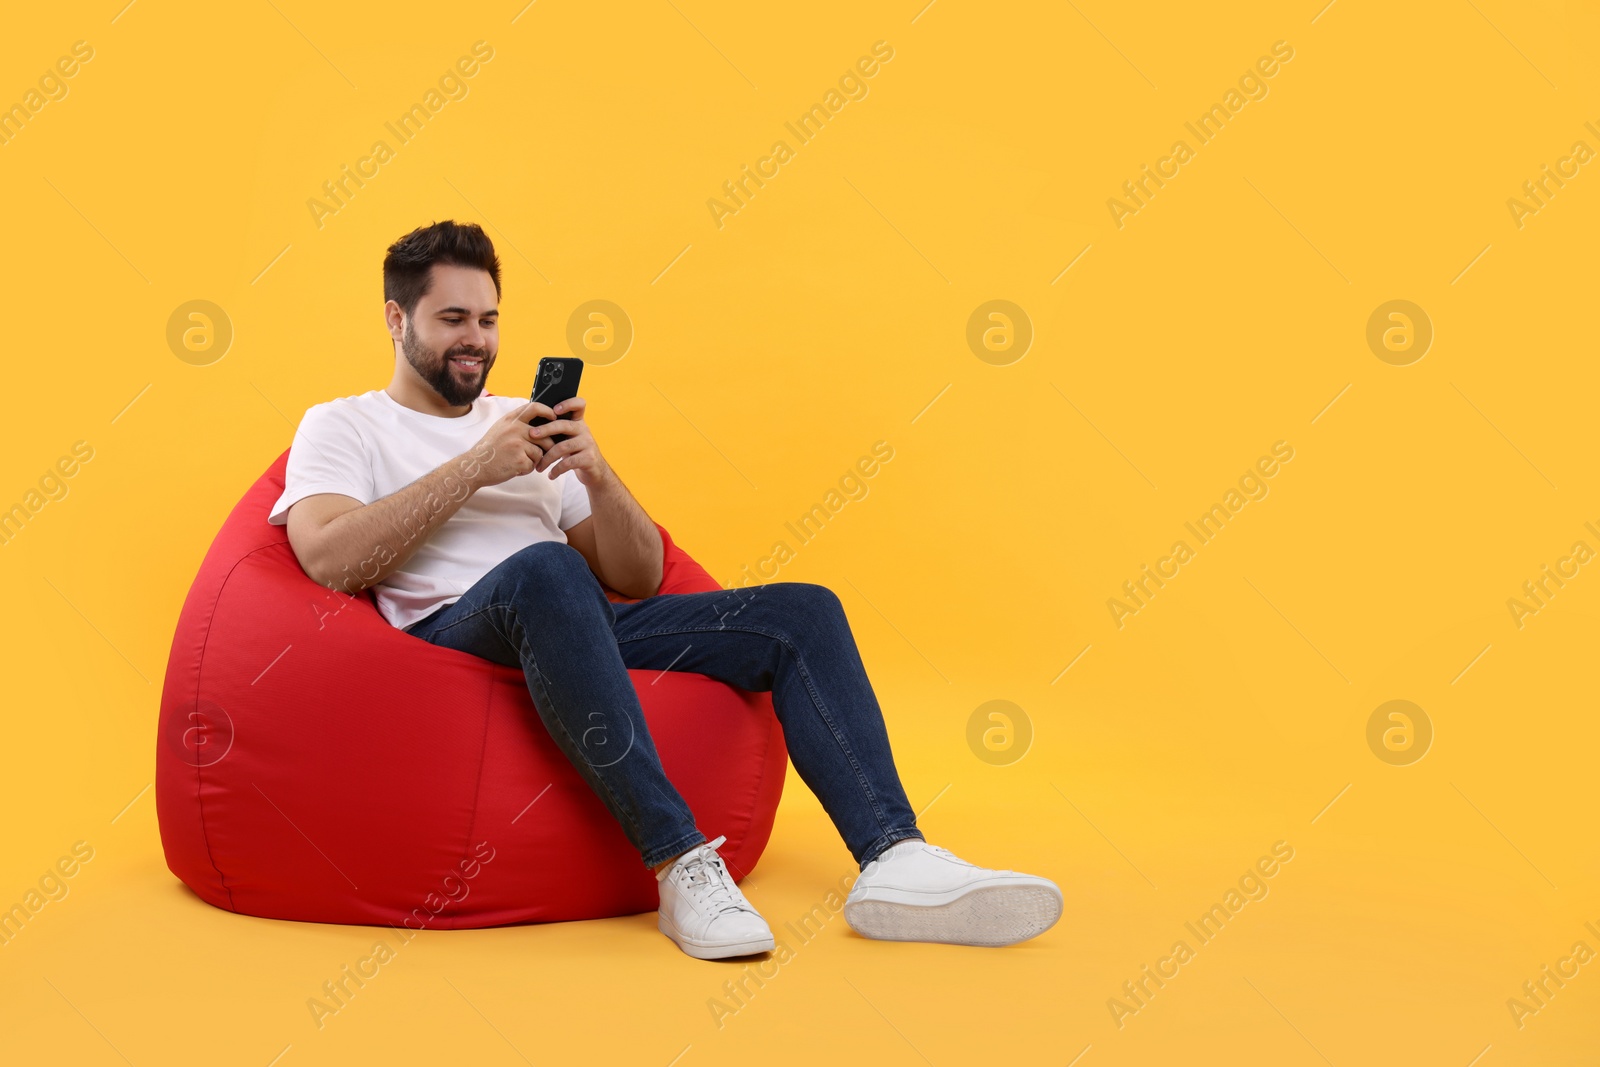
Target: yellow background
828	314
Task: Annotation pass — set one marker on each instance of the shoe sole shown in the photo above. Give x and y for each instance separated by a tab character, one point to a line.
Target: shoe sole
701	950
988	916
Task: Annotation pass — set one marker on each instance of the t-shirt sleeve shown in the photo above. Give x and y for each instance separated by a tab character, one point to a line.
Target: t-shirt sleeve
326	457
574	500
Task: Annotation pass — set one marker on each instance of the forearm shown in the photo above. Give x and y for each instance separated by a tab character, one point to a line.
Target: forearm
365	545
626	540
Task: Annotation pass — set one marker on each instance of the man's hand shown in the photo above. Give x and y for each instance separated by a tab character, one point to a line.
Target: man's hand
617	539
578	452
508	449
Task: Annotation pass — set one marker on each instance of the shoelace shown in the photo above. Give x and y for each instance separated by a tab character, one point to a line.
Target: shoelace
707	870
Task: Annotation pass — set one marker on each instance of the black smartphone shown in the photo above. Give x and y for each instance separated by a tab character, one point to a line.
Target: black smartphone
555	381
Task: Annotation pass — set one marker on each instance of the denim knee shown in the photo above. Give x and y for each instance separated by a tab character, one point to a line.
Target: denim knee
545	566
797	607
809	596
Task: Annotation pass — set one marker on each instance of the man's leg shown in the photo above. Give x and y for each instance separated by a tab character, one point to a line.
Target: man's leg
542	609
793	639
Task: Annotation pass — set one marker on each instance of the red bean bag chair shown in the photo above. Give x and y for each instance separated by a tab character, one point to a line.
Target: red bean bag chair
316	763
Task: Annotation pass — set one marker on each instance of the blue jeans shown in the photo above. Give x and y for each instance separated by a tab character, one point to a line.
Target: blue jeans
544	610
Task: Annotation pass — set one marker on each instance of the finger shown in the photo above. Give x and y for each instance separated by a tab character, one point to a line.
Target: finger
558	426
533	409
572	409
577	459
554	453
573	448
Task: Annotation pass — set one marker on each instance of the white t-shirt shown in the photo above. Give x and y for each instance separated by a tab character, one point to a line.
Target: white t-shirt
370	446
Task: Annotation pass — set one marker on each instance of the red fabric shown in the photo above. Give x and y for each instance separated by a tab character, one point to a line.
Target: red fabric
315	763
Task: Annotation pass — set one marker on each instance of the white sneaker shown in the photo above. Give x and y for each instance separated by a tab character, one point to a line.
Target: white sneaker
704	912
915	891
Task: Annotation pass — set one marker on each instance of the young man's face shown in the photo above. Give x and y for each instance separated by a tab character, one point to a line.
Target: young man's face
452	337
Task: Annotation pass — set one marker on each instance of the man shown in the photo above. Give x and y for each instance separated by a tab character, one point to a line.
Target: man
510	568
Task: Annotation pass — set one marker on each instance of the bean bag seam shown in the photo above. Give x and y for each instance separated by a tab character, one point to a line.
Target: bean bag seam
199	674
477	788
750	817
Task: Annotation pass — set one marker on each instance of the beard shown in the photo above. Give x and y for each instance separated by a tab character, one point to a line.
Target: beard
455	385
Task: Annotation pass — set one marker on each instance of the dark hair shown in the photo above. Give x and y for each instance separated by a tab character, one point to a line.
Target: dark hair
407	266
